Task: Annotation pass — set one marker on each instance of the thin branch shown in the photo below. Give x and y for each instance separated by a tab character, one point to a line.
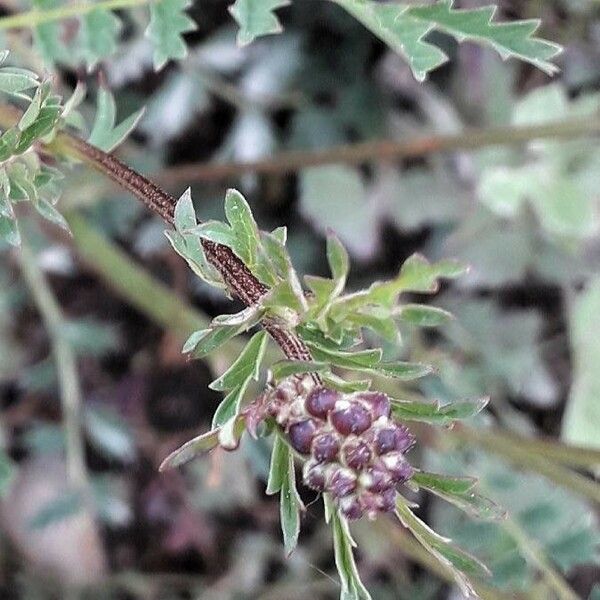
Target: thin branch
66	366
37	17
356	154
241	282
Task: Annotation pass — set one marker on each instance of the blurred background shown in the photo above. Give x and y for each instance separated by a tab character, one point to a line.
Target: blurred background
526	217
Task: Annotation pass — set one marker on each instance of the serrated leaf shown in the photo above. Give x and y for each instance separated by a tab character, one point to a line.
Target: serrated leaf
168	22
513	39
104	133
461	564
460	492
404	28
256	18
246	366
285	368
433	412
98	33
423	315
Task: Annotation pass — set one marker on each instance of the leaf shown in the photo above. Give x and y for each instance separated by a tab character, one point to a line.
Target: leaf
110	434
459	491
461	564
423	315
217	232
278	466
167	24
256	18
338	260
285	368
246	366
290	506
231	432
345	386
198	445
14	81
48	37
104	133
205	341
582	419
98	33
50	213
185	214
361	359
433	412
352	586
404	371
245	319
404	28
243	226
230	405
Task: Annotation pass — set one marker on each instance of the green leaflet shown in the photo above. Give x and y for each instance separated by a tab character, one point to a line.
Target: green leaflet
459	491
423	315
246	366
433	412
285	368
98	34
404	28
279	465
168	22
463	565
256	18
352	586
105	135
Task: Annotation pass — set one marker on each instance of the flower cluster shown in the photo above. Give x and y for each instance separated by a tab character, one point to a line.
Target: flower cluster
354	450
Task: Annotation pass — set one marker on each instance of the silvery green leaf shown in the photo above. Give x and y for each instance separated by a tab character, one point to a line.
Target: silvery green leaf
231	433
460	492
245	319
290	506
433	412
50	213
404	371
361	359
342	385
215	231
338	260
205	341
198	445
256	18
423	315
168	22
98	34
352	586
246	366
185	214
9	231
230	405
243	226
278	466
285	368
105	135
461	564
14	81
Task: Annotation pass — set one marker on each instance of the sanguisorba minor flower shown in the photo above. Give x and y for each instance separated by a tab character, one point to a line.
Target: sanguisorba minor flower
354	449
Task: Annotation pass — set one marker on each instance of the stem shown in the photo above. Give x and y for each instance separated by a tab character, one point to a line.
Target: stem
537	557
66	365
356	154
37	17
234	272
523	457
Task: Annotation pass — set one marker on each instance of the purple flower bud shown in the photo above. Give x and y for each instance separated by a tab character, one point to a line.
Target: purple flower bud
351	418
376	479
397	466
394	438
314	476
377	402
342	483
388	500
321	401
301	435
357	454
325	447
351	508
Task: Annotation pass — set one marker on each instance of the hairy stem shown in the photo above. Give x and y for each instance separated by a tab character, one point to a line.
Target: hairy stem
66	366
37	17
234	272
356	154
